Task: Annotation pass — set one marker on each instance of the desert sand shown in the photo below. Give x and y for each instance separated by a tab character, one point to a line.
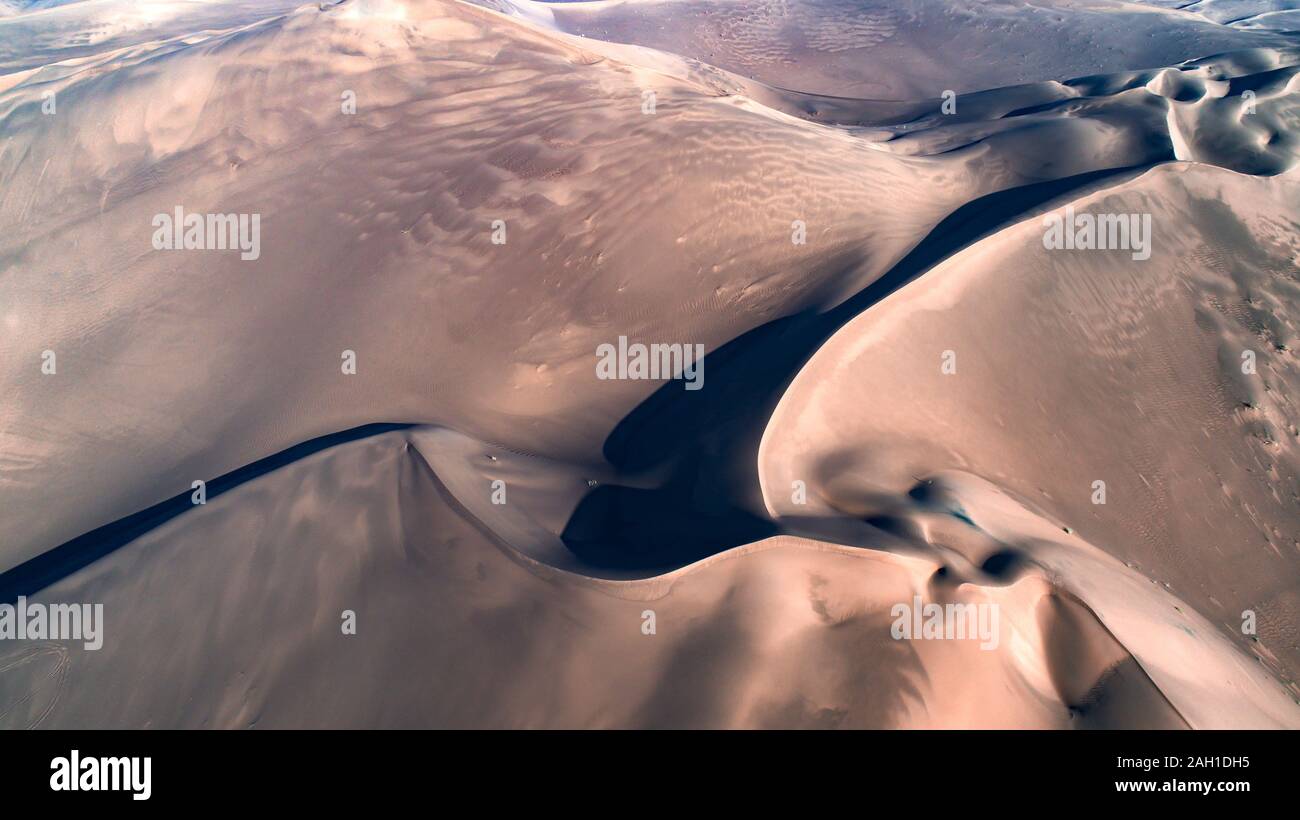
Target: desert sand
913	403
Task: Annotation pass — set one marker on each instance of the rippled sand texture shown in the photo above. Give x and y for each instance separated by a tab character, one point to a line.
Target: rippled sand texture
476	363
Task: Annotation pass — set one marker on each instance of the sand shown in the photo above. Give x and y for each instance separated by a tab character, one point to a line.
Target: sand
372	492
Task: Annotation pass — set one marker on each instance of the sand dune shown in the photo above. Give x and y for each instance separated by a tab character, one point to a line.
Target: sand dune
784	633
898	49
373	492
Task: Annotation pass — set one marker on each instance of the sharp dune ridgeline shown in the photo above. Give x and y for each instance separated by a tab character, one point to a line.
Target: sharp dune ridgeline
348	360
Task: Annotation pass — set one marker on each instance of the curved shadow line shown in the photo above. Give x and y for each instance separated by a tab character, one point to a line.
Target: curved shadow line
37	573
625	527
704	442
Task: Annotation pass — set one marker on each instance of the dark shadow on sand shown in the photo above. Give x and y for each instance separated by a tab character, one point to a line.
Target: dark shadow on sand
703	442
706	441
39	572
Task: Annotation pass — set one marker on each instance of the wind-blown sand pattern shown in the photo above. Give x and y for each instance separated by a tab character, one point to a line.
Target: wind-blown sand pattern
914	402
